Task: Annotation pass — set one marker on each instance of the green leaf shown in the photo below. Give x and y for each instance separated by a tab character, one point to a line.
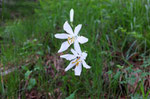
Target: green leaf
120	67
32	83
72	96
109	72
138	71
40	53
48	49
117	75
25	68
27	74
132	80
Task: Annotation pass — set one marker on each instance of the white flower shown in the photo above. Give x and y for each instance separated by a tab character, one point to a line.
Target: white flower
77	59
71	15
70	36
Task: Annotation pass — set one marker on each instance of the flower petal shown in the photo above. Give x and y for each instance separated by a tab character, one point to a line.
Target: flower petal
85	65
68	28
71	64
74	52
78	69
71	15
64	46
77	29
61	36
84	55
82	39
68	56
77	47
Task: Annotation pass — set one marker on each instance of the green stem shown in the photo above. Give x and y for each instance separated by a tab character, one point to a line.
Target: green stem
2	9
2	83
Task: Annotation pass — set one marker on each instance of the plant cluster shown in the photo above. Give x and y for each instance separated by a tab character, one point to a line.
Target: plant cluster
77	57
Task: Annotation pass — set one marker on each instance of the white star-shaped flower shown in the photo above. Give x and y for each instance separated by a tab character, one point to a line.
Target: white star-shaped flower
71	36
77	59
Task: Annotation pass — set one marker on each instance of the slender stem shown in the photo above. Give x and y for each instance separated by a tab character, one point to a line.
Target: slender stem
2	8
2	82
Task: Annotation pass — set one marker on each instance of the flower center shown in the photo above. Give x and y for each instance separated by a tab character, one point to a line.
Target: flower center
71	40
77	61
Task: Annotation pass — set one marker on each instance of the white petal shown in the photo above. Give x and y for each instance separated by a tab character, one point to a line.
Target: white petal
85	65
77	29
64	46
71	15
68	28
77	47
68	56
70	65
82	39
74	52
84	55
78	69
62	36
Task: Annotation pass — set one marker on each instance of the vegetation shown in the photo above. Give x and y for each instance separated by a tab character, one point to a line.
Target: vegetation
118	49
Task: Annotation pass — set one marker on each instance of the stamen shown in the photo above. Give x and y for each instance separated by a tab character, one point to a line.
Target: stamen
77	61
70	40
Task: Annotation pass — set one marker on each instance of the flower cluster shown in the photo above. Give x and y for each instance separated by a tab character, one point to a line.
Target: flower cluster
77	57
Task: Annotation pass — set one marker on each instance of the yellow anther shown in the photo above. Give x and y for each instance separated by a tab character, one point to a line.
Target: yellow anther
70	40
77	61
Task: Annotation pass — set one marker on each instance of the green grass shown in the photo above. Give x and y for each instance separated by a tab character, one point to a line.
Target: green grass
118	32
